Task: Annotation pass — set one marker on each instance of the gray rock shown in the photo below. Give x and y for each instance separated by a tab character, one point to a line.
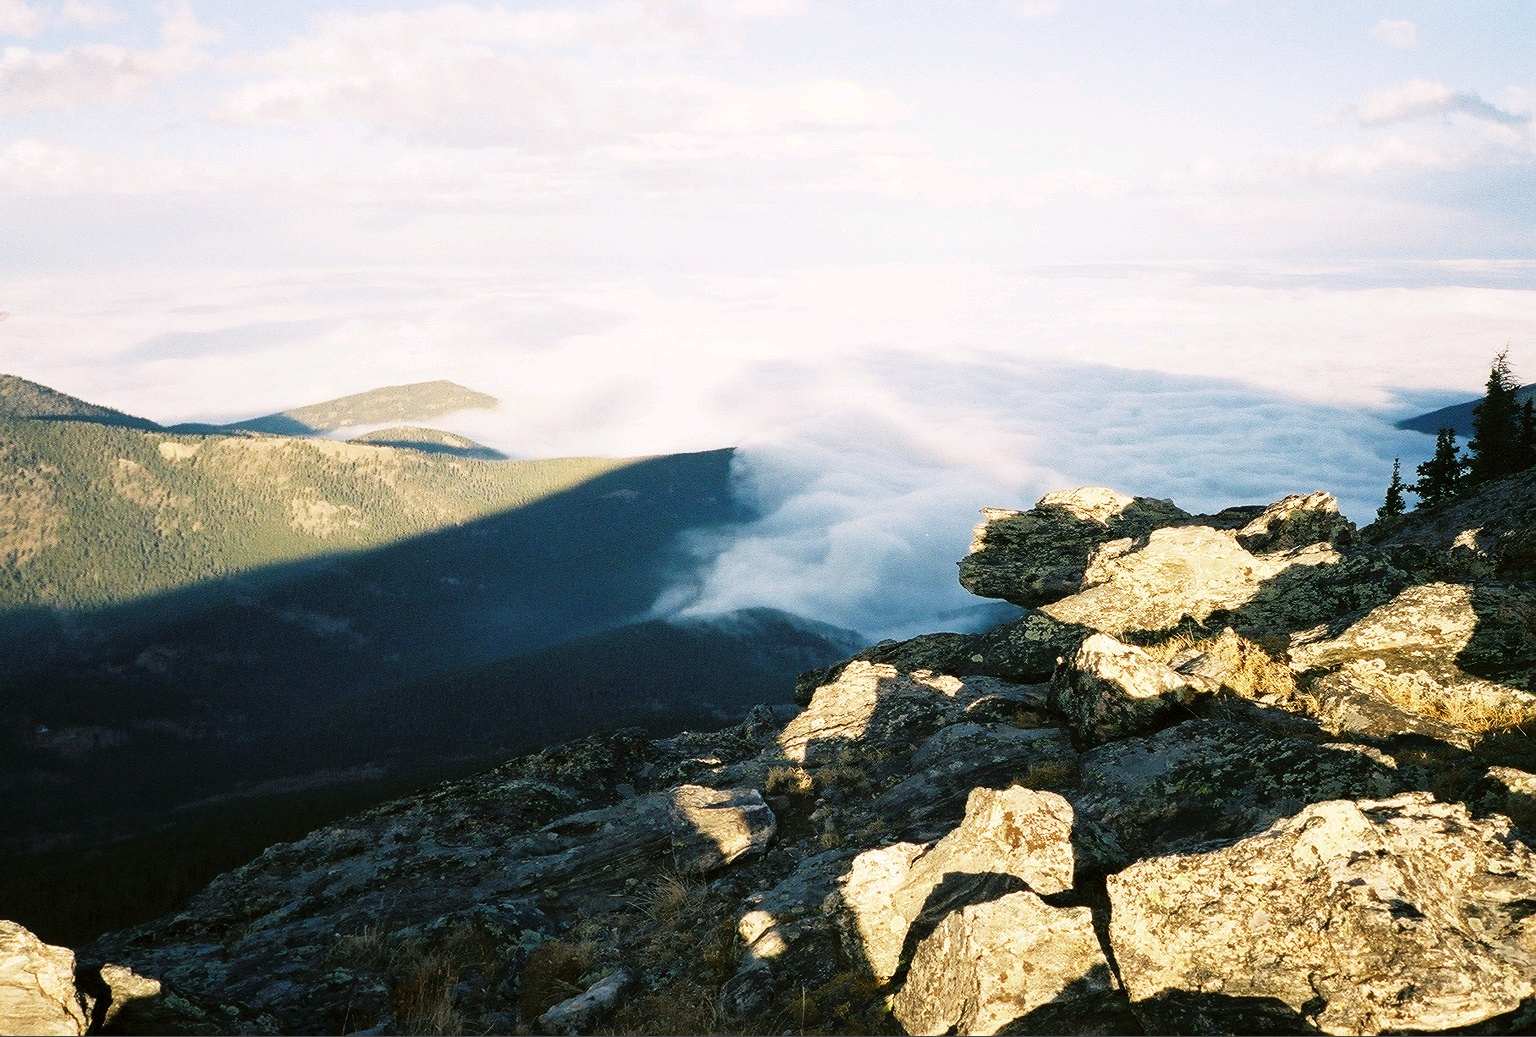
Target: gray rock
967	756
1350	917
580	1013
712	828
1298	521
37	986
875	706
1034	557
937	653
1207	781
1443	660
1110	690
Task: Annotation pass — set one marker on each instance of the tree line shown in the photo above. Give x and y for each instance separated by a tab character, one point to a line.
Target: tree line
1503	442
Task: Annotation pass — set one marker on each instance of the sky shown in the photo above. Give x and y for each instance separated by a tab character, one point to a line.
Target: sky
912	258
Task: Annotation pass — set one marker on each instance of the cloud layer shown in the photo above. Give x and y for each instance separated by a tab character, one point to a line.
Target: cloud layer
876	408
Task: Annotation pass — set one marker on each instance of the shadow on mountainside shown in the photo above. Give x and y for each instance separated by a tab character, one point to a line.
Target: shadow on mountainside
253	693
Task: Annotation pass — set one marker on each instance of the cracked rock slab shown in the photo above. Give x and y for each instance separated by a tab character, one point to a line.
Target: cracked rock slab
1349	917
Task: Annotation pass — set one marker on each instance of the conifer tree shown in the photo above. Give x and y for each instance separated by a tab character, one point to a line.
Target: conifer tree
1440	477
1528	433
1495	441
1394	505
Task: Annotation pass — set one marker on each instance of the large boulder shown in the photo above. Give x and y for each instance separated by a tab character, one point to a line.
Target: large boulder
1037	556
1350	917
1443	660
874	706
1110	690
1210	779
936	653
1002	964
967	756
37	987
1012	839
715	827
1299	520
1174	575
959	931
1491	531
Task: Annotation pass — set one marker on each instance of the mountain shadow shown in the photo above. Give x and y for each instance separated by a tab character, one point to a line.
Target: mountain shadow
180	695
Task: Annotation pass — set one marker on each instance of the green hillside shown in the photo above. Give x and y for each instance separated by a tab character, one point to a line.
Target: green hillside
418	401
177	611
430	440
20	398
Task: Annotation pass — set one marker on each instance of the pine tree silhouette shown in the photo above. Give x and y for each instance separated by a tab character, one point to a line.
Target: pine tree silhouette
1394	505
1495	441
1440	478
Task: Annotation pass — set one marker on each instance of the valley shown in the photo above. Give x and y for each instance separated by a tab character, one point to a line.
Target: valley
266	627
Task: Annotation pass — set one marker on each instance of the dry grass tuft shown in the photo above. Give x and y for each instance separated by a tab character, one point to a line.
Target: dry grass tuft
1246	669
1051	775
789	781
422	996
681	1007
1465	709
551	974
671	898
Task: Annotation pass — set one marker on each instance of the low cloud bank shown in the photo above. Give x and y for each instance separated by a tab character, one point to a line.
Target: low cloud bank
875	409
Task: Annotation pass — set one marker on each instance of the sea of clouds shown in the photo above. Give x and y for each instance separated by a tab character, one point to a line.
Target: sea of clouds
875	409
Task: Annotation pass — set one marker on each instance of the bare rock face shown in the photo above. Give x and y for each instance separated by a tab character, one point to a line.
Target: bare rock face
1038	556
1298	521
712	828
1178	574
937	653
37	986
874	704
992	966
1109	690
1350	917
1013	839
1210	779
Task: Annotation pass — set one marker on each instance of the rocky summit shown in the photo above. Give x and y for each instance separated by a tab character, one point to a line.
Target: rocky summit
1255	772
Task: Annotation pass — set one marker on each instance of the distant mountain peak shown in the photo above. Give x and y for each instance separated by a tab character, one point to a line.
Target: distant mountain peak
1457	416
416	401
430	441
23	398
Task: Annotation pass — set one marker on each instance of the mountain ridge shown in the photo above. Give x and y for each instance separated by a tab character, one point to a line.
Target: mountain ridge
1457	416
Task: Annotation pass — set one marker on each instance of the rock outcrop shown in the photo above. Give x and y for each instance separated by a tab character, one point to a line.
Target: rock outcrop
37	987
1349	917
1256	771
1038	556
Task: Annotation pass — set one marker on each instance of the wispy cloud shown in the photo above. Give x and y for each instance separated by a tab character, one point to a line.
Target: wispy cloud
1396	32
1424	99
39	80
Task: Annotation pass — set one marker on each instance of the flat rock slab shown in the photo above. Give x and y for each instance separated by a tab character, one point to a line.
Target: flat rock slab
1350	917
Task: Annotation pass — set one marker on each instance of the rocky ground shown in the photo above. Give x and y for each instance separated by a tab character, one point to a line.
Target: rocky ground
1250	772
